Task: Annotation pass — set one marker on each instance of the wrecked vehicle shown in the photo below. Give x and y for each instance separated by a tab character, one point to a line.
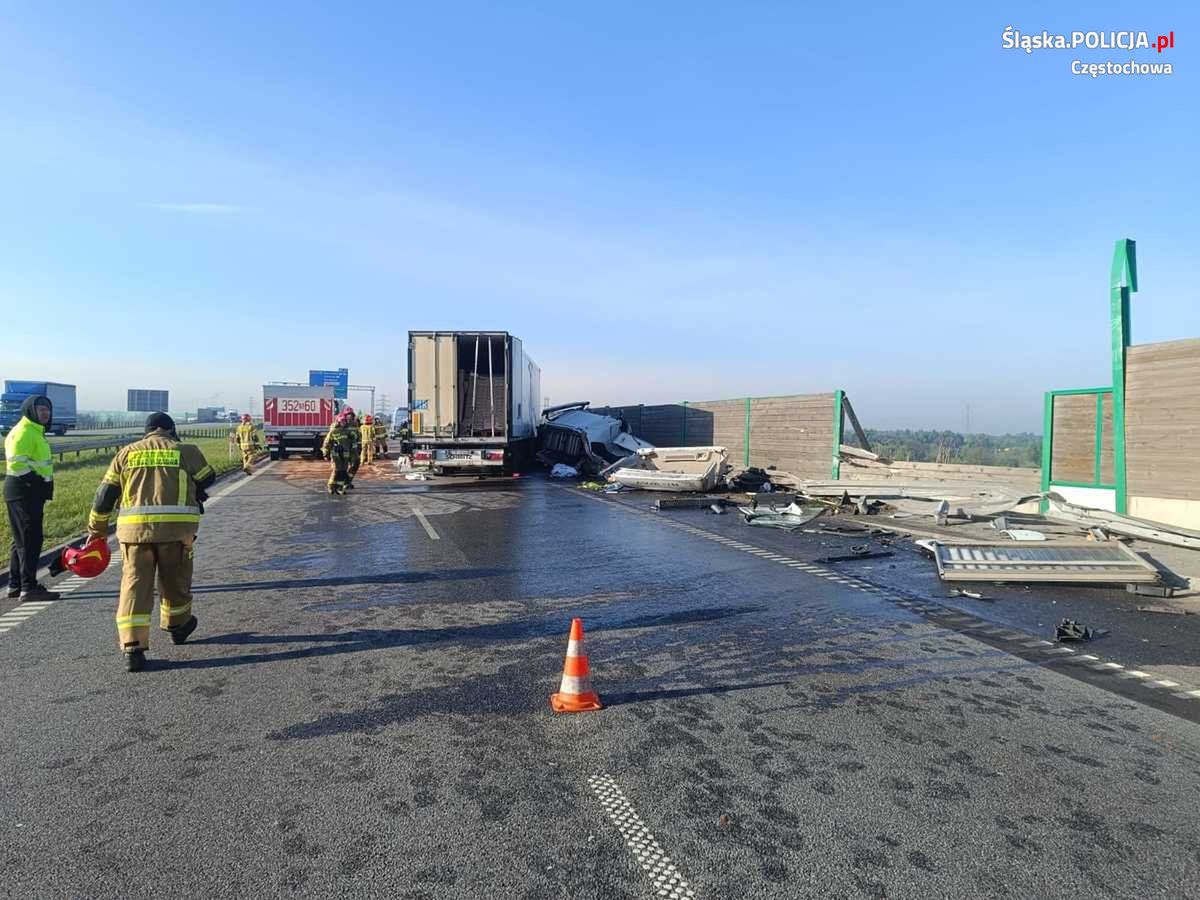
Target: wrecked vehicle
573	435
670	469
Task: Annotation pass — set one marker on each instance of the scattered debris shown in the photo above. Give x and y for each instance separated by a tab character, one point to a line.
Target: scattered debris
718	509
562	470
687	502
929	547
1069	563
593	485
1097	533
1070	630
1024	534
416	476
862	554
1000	523
787	518
670	469
963	499
1172	610
1150	590
750	481
960	592
1063	511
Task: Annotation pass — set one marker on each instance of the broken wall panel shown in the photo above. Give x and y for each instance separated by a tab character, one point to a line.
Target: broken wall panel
1026	480
791	433
1162	421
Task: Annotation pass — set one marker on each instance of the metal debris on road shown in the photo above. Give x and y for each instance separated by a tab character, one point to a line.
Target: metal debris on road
1024	534
1072	563
676	469
1069	630
786	518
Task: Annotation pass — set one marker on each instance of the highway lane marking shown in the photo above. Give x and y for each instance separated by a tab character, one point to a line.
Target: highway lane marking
666	879
433	535
237	485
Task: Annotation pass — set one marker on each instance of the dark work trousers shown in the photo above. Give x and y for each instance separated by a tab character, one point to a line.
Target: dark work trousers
25	520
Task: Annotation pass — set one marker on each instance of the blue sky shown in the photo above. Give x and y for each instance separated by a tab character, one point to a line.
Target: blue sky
666	201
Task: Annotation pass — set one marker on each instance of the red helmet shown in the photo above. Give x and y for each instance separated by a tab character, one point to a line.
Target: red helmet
89	560
245	417
348	410
368	419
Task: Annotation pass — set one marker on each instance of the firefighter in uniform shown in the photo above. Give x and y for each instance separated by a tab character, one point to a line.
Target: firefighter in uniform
355	448
336	449
367	437
381	435
160	484
247	438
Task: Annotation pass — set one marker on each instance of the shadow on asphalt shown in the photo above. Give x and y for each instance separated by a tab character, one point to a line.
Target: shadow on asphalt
621	699
341	581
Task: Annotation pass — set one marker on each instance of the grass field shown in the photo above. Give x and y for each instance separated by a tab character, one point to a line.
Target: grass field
75	483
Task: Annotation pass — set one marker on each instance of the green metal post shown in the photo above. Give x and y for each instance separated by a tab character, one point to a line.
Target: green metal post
746	438
839	422
1122	283
1047	447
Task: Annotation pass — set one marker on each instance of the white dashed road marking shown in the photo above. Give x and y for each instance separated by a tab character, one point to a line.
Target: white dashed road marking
433	535
666	879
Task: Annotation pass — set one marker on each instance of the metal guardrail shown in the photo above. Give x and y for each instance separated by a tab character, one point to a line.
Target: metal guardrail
117	441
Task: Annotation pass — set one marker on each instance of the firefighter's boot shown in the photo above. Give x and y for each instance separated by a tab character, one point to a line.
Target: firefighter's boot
180	633
135	660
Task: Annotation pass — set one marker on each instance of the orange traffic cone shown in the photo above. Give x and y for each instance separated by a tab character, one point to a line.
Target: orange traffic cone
575	694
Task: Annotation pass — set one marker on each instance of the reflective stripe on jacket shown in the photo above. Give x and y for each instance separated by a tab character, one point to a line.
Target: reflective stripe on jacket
247	436
157	477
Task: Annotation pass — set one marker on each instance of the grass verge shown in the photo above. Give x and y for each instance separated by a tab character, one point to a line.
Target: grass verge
75	483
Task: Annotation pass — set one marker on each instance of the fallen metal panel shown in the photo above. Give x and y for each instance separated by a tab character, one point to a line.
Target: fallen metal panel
1086	563
1062	510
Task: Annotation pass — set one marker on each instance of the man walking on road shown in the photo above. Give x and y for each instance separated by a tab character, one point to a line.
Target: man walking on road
247	438
28	486
337	449
160	483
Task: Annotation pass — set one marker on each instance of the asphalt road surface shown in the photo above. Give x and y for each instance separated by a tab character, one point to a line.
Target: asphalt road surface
364	712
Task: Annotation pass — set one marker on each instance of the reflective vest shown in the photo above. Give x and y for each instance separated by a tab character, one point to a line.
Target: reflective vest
367	432
27	451
340	439
157	477
247	436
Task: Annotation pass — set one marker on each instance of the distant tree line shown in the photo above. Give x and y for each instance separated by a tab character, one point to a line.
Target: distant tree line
1022	449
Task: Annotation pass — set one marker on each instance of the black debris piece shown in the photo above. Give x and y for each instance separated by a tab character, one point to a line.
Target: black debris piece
1070	630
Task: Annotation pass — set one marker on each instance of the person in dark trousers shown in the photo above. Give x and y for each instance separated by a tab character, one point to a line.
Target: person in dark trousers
28	485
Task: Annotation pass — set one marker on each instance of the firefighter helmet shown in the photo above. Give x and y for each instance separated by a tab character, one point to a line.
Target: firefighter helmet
89	560
245	417
368	419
